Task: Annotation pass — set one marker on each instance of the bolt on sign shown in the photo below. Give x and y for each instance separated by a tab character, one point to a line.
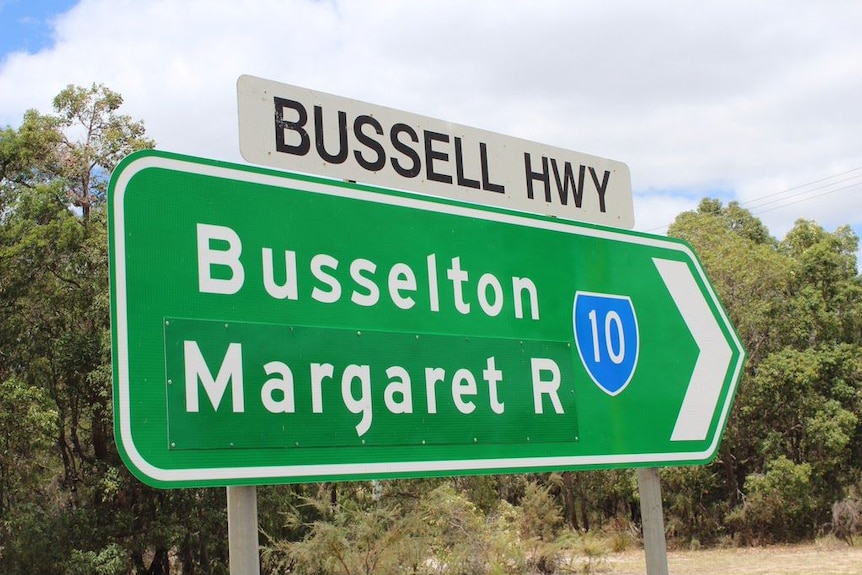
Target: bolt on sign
303	130
271	327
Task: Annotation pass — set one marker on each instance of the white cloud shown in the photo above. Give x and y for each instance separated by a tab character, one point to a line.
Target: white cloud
750	98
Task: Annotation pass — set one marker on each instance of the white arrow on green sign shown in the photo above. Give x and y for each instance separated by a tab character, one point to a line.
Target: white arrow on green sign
270	327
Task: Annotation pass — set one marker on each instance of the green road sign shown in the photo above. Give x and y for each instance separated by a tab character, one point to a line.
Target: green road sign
270	327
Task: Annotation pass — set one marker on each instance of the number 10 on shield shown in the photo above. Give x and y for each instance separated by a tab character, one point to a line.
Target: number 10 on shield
606	335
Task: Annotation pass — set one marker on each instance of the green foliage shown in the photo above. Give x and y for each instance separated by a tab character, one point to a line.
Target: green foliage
779	504
694	503
112	560
27	422
749	274
350	540
796	304
541	517
541	521
484	490
456	532
581	553
67	504
506	550
108	138
792	447
442	532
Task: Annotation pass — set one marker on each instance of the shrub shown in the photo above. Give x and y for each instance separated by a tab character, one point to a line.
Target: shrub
540	523
778	504
846	517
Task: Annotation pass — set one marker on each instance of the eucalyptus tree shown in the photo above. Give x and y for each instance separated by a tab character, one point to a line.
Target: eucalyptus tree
66	501
796	304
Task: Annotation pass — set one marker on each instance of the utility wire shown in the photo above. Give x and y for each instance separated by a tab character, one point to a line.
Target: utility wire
797	190
758	212
799	193
799	186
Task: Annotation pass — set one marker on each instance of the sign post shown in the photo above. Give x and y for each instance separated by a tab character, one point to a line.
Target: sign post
652	520
272	328
243	541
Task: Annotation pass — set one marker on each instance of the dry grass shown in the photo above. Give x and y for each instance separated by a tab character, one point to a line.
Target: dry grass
827	557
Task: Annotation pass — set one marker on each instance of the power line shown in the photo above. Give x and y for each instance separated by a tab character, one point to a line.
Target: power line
805	199
790	189
799	193
798	190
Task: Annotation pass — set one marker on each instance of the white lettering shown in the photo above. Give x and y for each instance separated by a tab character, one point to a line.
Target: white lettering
549	387
399	382
486	281
319	372
319	262
432	376
363	403
520	285
433	295
209	257
221	271
493	376
283	384
373	296
401	277
288	289
196	370
463	383
457	276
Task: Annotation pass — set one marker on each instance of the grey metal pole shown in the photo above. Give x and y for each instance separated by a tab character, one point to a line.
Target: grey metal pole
655	546
242	530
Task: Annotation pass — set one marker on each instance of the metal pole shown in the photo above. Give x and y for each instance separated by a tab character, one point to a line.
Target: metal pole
242	530
655	546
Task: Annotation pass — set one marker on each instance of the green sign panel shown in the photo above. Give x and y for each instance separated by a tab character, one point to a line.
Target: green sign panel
271	327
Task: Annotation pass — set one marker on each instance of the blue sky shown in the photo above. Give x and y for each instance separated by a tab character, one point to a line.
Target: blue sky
756	102
26	25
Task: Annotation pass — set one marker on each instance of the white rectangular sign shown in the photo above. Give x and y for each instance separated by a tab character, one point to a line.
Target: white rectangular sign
298	129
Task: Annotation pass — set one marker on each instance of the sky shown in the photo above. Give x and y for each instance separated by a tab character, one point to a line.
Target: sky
755	102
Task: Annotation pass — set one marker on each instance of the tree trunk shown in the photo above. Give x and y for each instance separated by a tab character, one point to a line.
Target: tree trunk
187	557
582	497
729	475
569	498
160	565
98	435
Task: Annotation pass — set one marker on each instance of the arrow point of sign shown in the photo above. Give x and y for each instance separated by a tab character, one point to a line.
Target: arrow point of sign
714	352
